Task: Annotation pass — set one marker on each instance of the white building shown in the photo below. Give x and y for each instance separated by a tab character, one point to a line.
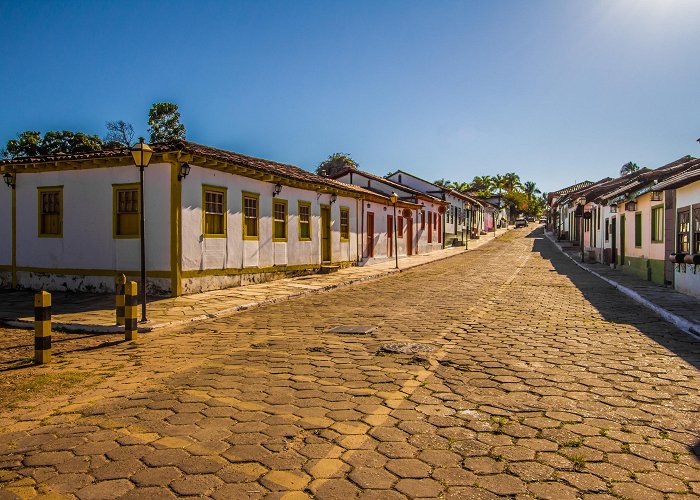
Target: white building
72	220
464	216
419	226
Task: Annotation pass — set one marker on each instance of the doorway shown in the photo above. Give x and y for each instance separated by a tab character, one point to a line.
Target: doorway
370	234
325	233
622	239
409	236
613	235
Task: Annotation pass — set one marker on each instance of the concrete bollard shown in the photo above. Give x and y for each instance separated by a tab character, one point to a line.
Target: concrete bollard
131	311
42	328
120	284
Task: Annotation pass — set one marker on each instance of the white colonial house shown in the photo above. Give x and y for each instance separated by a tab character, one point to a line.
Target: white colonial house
419	225
464	216
71	221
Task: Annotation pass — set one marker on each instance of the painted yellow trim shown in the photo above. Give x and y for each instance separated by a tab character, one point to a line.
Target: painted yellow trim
175	230
5	267
286	219
214	189
115	189
340	222
330	231
49	189
299	205
256	270
14	236
90	272
256	197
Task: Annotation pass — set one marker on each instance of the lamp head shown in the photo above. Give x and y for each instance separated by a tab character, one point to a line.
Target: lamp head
184	171
9	179
142	153
277	190
334	197
394	198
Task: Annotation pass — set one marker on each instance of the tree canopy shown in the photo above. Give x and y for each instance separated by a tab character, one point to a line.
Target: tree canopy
628	168
335	163
32	143
164	122
119	134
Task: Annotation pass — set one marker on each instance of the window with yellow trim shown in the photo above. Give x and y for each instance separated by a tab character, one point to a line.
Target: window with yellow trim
214	211
344	223
126	216
250	217
279	220
304	220
51	212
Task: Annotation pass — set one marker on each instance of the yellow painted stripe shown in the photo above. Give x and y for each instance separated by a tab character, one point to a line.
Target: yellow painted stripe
89	272
257	270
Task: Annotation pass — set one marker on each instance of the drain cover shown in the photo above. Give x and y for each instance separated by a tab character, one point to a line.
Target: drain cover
352	329
406	348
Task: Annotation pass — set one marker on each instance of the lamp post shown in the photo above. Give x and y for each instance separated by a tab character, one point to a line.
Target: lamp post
394	198
142	153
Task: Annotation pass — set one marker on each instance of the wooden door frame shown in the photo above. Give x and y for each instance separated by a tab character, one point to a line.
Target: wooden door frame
370	236
330	234
409	235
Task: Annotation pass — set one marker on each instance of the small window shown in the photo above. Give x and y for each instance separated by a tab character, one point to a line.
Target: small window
638	229
683	240
279	220
51	212
126	211
214	211
607	229
344	224
399	226
657	224
304	220
422	219
696	230
250	216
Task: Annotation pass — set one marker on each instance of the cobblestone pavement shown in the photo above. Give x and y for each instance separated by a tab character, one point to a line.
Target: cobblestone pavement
543	382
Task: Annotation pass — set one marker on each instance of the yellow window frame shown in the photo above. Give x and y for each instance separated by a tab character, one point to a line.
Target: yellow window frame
115	189
280	201
50	189
344	210
224	192
256	197
305	204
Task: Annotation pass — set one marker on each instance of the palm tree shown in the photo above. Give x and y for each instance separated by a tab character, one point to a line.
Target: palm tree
512	181
530	189
628	168
461	187
442	182
482	184
500	182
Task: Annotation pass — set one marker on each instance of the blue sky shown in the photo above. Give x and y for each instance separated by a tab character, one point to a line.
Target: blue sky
556	91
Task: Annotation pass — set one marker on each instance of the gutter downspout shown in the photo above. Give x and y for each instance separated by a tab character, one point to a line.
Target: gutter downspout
362	232
14	234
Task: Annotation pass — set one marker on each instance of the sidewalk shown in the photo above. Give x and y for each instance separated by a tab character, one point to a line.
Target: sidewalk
96	312
681	310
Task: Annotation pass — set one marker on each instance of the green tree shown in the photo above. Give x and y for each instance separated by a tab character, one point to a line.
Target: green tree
119	134
483	185
336	163
461	187
442	182
31	143
26	144
164	122
511	182
628	168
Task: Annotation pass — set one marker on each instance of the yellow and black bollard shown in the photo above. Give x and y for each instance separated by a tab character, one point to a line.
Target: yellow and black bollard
131	310
120	284
42	328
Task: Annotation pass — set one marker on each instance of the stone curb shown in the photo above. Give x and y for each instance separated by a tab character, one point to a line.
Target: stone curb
231	310
688	327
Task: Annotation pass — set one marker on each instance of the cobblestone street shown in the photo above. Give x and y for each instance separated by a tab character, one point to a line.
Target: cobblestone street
542	382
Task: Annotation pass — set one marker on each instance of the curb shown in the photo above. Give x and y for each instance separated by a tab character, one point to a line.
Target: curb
688	327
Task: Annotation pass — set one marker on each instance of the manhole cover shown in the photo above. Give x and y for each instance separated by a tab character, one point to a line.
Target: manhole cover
352	329
406	348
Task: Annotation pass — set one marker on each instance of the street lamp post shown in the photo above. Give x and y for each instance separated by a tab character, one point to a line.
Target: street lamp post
394	198
142	153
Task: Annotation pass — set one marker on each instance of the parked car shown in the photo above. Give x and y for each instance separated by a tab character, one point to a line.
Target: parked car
520	222
543	220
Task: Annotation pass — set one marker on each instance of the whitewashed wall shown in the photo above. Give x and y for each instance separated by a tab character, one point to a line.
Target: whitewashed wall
685	280
88	243
207	254
5	225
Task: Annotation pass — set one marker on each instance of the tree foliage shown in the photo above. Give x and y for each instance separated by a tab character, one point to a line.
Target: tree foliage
442	182
335	163
32	143
628	168
119	134
164	122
